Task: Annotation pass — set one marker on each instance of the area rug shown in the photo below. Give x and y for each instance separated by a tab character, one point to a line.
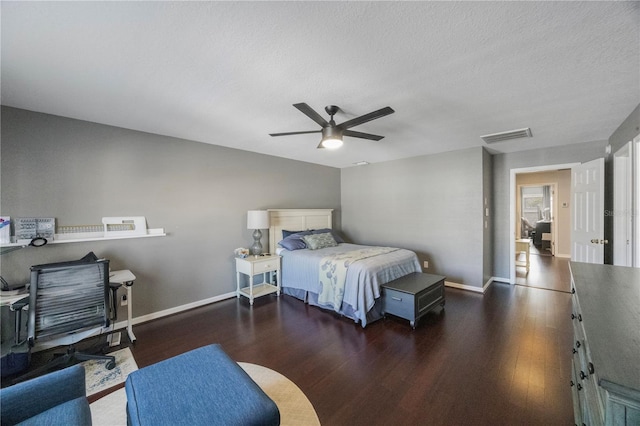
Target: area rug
98	378
295	408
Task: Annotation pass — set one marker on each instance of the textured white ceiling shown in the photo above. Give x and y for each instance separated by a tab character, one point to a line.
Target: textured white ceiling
227	73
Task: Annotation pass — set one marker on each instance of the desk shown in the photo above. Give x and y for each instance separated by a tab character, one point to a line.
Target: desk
522	245
541	228
8	297
126	278
123	277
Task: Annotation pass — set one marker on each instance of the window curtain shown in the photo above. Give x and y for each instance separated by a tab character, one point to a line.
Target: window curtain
546	203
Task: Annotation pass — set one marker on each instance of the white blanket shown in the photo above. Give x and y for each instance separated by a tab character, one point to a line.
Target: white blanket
333	273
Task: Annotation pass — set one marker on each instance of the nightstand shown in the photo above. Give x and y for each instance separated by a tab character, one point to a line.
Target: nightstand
254	265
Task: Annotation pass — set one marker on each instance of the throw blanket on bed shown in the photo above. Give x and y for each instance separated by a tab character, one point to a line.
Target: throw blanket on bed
333	273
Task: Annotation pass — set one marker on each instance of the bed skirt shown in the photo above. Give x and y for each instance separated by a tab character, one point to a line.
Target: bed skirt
346	310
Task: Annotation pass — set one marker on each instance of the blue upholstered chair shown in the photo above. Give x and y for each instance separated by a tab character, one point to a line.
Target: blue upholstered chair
57	398
200	387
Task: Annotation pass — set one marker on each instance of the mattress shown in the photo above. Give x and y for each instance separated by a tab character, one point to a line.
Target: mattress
300	272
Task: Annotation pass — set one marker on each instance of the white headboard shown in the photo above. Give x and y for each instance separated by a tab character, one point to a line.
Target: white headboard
295	220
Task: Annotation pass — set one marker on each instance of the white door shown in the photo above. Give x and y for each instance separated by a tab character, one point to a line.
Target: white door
587	227
635	216
622	207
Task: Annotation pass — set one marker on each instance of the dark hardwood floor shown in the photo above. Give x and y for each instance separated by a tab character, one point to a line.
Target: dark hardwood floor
502	358
498	359
546	271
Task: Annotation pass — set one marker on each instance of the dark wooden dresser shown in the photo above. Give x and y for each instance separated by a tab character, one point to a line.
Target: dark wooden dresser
605	378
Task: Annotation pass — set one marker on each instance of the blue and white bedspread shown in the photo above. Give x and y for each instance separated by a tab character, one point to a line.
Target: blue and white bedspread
363	277
333	273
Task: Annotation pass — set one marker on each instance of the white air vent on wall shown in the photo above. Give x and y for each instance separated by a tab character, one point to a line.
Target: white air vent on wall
505	136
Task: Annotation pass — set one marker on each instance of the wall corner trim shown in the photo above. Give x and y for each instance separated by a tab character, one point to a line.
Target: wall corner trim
466	287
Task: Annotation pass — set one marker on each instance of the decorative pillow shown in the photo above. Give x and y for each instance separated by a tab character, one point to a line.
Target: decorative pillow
294	241
334	233
286	233
318	241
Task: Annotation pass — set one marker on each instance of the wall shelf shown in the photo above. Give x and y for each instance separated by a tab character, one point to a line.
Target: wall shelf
87	237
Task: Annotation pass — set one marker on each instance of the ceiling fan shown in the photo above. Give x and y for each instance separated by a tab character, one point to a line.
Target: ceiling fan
331	133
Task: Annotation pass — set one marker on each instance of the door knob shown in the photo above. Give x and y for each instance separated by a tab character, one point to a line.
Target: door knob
597	241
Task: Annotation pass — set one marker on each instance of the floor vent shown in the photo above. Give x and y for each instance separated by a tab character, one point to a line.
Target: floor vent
505	136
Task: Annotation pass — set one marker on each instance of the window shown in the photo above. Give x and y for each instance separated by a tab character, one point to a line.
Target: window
532	203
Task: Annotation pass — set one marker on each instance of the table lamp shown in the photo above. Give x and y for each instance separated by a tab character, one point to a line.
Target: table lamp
257	220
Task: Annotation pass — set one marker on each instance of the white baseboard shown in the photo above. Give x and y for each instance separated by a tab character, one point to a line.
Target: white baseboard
564	256
155	315
74	338
487	284
501	280
466	287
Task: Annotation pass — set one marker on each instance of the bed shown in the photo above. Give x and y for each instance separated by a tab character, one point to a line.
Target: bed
358	298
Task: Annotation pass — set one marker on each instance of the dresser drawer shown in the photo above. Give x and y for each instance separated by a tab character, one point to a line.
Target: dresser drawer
398	303
266	265
254	266
576	394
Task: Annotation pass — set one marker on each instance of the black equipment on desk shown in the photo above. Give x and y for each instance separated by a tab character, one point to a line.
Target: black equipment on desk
5	286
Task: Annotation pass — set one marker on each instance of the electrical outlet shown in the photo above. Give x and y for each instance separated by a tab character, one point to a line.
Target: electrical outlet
123	300
426	264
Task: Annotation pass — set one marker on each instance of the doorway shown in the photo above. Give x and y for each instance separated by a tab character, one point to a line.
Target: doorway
626	204
537	212
623	206
549	257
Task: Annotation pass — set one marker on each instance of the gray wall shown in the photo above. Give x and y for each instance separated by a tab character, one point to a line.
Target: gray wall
629	129
502	165
79	172
430	204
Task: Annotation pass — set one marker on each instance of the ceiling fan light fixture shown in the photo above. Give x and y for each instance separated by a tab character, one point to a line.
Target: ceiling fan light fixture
332	134
331	142
331	138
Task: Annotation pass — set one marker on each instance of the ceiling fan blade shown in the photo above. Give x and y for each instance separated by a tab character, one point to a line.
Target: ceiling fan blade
295	133
364	118
362	135
309	112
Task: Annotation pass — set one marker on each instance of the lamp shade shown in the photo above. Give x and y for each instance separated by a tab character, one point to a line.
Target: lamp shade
257	219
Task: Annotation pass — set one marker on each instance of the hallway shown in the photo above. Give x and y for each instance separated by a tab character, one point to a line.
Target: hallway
547	272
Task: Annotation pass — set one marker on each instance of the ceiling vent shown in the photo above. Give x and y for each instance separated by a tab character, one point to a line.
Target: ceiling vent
505	136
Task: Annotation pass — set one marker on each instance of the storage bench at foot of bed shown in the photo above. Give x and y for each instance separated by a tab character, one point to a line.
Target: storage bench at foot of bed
412	296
